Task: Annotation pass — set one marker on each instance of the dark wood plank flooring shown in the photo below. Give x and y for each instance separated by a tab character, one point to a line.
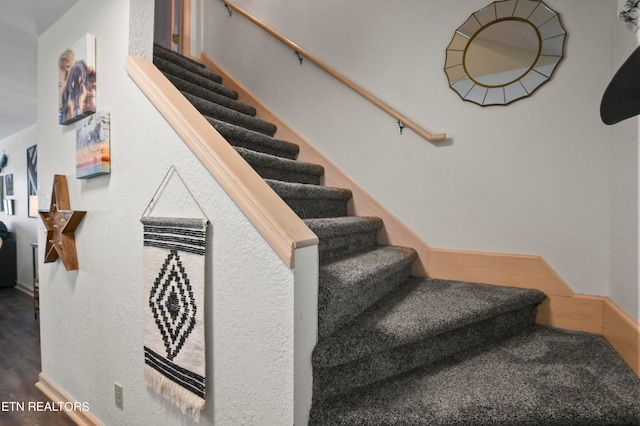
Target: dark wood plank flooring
20	363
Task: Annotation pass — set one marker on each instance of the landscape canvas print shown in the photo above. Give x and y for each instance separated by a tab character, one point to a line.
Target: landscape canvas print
92	145
77	80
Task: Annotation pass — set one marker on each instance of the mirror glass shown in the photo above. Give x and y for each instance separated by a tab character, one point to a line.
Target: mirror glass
504	52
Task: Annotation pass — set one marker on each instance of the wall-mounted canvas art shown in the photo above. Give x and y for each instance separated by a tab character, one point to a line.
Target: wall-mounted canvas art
77	80
8	184
9	206
32	180
92	145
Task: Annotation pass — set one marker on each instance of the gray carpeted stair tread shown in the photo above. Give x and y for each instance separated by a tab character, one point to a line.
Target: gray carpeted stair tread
348	286
329	382
273	167
245	138
212	109
169	68
339	226
542	376
416	310
341	236
209	95
292	190
312	201
171	55
185	62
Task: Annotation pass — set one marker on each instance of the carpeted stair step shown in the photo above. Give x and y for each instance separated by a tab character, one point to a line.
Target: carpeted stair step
185	63
349	286
209	95
169	68
244	138
282	169
211	109
420	322
178	58
312	201
542	376
341	236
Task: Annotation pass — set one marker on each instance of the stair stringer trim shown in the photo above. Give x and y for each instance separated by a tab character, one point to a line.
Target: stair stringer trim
273	218
562	308
623	333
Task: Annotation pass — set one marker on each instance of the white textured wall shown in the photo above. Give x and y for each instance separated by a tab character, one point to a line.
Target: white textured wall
623	282
92	319
534	177
24	227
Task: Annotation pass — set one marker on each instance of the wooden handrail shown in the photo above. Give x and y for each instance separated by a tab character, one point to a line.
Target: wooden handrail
404	120
278	224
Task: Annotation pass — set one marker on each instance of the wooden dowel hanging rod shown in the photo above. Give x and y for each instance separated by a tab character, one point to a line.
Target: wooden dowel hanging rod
401	118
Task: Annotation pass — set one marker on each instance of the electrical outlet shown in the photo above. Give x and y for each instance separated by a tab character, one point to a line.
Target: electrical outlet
119	402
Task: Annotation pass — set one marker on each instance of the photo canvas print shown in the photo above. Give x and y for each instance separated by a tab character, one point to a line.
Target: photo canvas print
92	145
8	182
32	179
77	80
8	207
32	170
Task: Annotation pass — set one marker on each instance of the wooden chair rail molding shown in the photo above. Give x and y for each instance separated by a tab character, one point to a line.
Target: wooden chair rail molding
562	308
279	225
406	122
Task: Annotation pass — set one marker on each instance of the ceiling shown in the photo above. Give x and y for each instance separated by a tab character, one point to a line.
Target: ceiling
21	22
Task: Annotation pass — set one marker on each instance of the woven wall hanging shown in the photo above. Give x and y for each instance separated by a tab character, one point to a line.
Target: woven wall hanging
174	306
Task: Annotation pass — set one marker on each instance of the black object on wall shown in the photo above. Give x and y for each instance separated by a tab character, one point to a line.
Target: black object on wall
621	99
8	268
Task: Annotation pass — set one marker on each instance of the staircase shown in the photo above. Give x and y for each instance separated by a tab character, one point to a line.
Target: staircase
396	349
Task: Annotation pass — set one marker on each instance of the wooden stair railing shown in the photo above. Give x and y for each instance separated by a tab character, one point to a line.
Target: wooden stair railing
278	224
401	118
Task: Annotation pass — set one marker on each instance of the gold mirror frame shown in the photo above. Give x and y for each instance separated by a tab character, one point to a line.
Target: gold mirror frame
533	14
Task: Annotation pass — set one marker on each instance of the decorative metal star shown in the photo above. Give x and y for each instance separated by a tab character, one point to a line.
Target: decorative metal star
61	223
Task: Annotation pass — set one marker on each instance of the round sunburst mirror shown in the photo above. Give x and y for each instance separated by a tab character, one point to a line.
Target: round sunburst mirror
504	52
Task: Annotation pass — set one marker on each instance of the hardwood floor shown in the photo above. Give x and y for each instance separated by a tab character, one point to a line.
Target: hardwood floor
20	364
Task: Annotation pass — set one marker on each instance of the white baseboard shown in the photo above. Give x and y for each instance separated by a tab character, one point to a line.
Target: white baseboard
56	394
24	289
